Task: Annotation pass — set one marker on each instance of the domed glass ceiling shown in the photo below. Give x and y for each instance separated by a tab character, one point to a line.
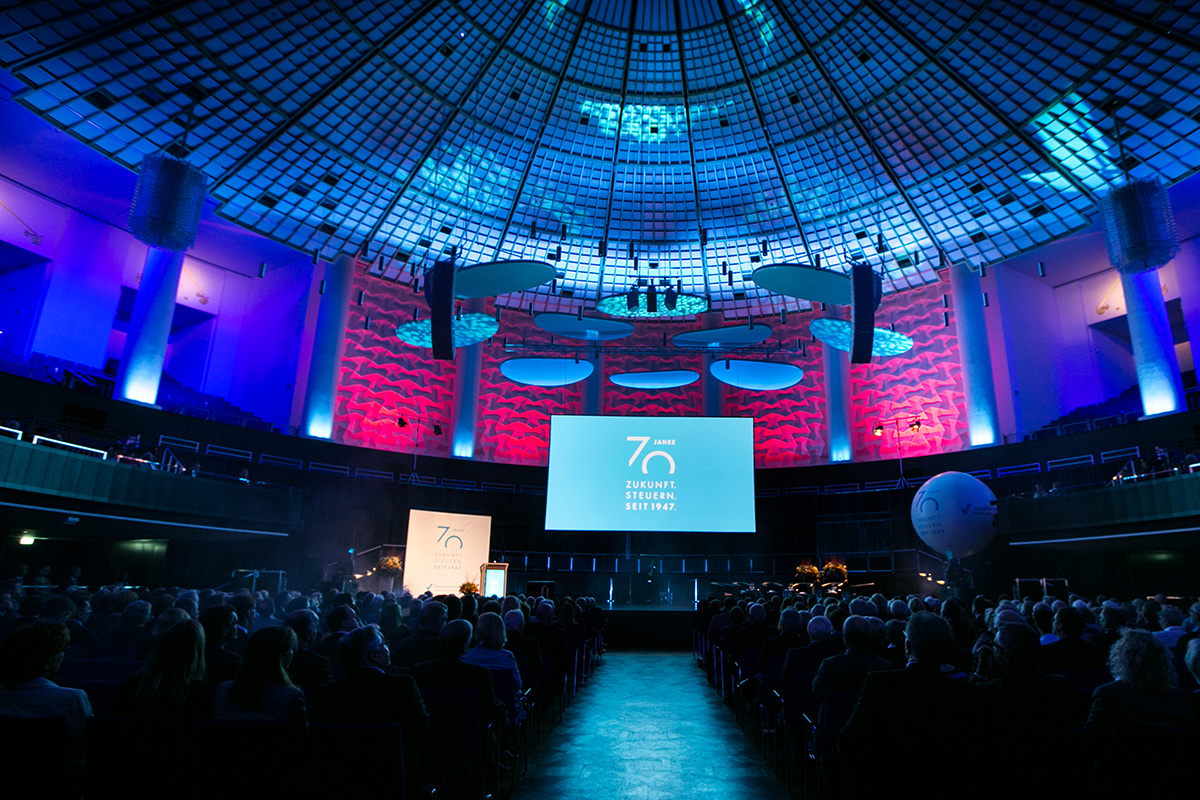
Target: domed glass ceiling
626	140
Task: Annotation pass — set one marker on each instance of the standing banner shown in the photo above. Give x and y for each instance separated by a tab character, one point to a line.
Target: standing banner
444	550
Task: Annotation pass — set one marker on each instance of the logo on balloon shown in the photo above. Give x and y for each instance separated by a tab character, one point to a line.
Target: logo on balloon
954	513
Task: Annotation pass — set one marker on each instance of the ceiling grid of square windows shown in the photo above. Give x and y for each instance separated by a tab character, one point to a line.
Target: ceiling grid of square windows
593	126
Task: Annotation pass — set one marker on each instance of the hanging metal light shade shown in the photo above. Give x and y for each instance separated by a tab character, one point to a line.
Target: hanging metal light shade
1139	226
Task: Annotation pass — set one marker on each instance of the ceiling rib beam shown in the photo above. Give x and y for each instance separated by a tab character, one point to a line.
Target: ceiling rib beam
326	90
113	28
1013	128
859	125
446	122
687	113
762	121
550	106
616	157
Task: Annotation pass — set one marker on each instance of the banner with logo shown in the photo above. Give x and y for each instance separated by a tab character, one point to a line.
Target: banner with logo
444	550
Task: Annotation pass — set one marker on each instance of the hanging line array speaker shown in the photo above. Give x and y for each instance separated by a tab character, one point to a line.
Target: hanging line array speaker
1139	226
167	202
439	293
866	290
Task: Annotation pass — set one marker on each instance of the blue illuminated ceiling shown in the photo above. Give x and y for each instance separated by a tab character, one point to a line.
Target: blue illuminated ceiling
703	138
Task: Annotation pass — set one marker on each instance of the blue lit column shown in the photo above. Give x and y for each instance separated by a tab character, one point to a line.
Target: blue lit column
468	362
593	388
837	403
713	390
150	327
1153	345
974	355
329	343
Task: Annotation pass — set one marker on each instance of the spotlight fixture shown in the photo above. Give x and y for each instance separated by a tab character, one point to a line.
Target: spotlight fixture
631	299
878	429
401	422
915	425
652	299
437	429
670	297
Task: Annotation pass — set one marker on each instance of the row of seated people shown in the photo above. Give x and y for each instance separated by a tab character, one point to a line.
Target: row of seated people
866	697
282	679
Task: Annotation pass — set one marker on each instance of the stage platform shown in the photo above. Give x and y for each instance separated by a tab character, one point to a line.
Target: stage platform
649	626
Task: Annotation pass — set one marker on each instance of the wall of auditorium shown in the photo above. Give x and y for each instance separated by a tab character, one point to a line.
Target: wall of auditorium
237	336
391	394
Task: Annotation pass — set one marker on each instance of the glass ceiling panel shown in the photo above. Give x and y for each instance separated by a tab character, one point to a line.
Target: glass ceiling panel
322	125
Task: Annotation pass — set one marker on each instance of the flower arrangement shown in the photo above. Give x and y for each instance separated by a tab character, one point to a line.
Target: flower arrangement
467	588
834	572
807	572
389	565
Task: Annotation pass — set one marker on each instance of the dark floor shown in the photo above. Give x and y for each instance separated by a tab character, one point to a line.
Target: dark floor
647	725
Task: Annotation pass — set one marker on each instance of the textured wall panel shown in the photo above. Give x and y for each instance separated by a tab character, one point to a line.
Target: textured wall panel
383	379
926	381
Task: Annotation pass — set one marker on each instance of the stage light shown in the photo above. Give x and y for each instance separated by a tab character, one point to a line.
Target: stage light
437	429
878	429
631	299
25	540
915	425
401	422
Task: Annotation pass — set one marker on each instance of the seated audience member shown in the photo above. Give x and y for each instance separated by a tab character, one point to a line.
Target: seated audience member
1023	697
1143	693
489	652
246	615
262	689
131	630
369	695
422	645
847	671
792	634
551	639
391	623
82	637
28	657
342	619
1071	651
449	671
166	620
220	631
1171	619
809	657
173	683
307	668
1113	618
1043	620
520	645
878	741
893	634
1191	659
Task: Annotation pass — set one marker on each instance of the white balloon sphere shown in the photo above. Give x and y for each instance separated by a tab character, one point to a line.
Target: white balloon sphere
954	513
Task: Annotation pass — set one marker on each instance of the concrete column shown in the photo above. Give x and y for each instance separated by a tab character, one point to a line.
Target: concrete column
593	388
150	327
329	344
712	390
1153	345
983	421
468	362
837	403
